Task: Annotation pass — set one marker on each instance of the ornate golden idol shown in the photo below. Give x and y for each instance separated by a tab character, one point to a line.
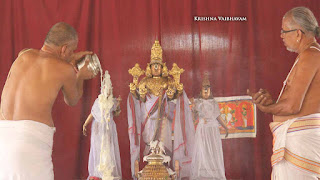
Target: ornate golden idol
157	79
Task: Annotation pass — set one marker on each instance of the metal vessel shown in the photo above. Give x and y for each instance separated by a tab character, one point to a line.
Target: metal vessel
94	64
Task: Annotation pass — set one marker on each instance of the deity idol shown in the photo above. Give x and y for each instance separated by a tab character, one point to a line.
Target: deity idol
207	160
151	104
104	158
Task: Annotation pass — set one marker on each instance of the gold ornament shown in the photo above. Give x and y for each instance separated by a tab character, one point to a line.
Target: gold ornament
170	92
136	72
148	70
156	53
175	72
165	70
155	169
156	85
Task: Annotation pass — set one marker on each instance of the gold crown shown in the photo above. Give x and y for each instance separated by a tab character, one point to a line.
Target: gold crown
156	53
205	81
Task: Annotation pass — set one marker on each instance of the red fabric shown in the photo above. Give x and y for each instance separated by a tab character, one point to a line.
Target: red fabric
238	55
134	127
156	104
183	123
94	178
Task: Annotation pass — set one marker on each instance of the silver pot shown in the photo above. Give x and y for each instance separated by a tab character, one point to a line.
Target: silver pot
94	63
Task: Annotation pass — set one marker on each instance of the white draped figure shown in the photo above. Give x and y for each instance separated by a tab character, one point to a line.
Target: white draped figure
207	160
104	157
158	109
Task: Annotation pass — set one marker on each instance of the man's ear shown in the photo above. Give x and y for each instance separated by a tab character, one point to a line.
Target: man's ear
63	50
299	35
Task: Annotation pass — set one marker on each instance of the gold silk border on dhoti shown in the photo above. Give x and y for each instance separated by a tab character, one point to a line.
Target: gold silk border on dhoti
277	156
298	125
304	124
301	162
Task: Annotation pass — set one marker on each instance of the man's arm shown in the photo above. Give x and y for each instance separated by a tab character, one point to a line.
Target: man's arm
72	88
293	96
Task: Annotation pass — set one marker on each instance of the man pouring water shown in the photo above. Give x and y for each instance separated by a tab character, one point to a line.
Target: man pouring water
31	88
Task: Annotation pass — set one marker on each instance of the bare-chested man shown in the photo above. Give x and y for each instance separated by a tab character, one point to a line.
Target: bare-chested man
32	85
296	113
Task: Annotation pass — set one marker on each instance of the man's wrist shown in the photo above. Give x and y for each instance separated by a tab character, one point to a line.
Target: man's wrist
75	68
265	109
80	76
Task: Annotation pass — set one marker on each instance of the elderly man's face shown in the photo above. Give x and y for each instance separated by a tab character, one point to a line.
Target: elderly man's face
289	38
205	92
156	70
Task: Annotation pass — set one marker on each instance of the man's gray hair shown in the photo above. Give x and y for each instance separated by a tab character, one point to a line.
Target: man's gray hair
61	34
305	18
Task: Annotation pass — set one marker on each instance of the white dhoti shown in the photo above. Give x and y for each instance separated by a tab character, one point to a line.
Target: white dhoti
296	148
25	150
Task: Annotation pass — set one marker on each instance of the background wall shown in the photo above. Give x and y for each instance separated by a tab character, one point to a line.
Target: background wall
238	55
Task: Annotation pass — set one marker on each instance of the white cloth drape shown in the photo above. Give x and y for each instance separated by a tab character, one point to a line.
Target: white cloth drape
207	160
111	159
25	150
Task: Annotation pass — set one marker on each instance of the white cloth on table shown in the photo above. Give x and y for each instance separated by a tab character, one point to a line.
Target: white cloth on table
25	150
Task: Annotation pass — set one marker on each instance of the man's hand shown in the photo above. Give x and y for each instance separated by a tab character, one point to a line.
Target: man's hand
76	57
262	97
84	73
263	108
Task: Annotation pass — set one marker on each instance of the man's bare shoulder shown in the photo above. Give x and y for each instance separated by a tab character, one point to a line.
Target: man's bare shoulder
310	56
64	68
24	50
26	53
48	60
